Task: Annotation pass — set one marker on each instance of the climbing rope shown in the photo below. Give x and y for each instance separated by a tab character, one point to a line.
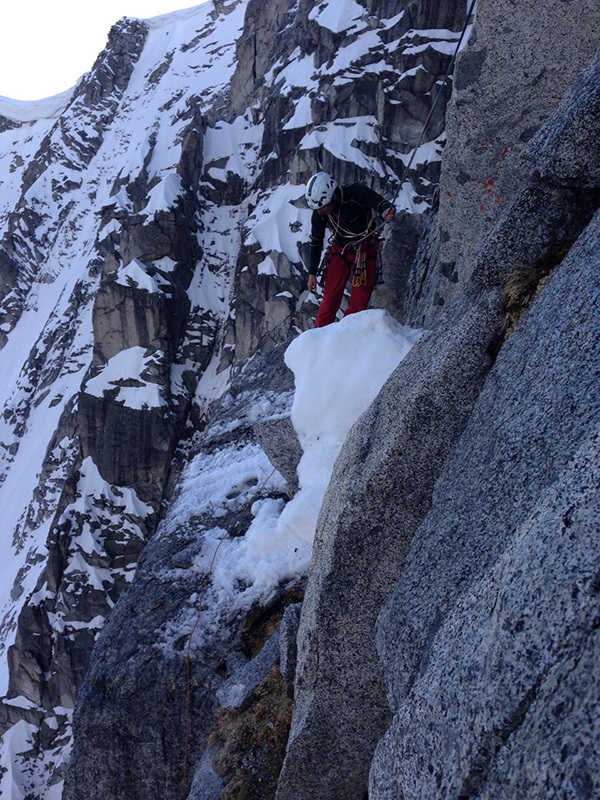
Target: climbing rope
339	232
422	136
437	97
188	658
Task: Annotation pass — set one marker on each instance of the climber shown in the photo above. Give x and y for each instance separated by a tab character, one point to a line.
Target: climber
349	211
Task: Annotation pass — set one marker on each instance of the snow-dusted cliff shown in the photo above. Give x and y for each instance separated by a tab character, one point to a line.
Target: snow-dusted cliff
161	628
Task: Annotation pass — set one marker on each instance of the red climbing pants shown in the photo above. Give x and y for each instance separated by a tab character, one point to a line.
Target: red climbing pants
338	270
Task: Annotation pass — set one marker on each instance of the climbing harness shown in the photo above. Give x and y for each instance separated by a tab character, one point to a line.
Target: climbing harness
355	256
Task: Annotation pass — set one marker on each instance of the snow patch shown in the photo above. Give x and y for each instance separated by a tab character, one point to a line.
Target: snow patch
93	487
337	15
19	702
277	224
338	371
173	18
165	264
123	376
302	115
134	274
342	138
267	267
164	195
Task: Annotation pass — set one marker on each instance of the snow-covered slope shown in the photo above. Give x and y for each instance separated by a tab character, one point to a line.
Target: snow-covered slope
151	233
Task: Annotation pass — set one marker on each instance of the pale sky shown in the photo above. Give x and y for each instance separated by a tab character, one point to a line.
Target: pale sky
46	45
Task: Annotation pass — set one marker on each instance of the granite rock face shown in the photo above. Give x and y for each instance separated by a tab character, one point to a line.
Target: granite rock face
155	641
499	491
448	641
115	755
382	482
498	597
509	79
130	449
554	206
263	282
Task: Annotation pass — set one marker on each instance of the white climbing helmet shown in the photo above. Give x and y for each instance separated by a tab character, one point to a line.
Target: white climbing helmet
320	190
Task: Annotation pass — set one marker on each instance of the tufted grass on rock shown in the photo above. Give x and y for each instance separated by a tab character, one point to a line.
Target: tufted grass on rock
523	285
249	747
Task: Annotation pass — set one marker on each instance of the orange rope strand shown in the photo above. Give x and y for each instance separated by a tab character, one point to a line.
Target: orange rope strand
188	659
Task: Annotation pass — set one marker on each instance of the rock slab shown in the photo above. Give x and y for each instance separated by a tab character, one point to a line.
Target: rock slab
489	641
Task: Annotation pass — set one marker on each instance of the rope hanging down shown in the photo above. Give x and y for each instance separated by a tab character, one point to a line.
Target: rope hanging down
437	97
188	652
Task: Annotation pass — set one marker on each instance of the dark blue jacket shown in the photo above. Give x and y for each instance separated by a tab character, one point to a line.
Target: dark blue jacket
353	219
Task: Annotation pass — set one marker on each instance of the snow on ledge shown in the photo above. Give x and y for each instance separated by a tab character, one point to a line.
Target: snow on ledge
342	137
338	371
32	110
134	274
164	195
20	702
122	372
93	488
337	15
277	224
